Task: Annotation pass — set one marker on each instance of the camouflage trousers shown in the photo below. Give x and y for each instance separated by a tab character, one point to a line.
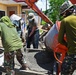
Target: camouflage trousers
69	65
9	59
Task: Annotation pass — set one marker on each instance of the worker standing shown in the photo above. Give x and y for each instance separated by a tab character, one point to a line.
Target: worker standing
68	28
33	32
12	45
20	26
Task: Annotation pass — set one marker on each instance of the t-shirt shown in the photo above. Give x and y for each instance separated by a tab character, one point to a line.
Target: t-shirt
68	27
10	39
32	24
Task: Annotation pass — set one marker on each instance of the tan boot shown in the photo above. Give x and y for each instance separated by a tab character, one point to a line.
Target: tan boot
24	67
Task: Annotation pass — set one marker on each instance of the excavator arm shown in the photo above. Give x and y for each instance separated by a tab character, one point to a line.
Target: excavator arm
32	5
73	1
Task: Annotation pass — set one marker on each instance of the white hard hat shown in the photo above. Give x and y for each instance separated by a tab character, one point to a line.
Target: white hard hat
14	17
65	6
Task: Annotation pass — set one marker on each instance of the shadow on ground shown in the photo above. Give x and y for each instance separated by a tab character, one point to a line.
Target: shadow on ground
45	60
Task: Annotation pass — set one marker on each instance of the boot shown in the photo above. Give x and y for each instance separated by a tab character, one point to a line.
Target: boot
24	67
11	72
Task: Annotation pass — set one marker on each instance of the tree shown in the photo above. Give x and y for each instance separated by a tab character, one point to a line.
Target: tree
53	11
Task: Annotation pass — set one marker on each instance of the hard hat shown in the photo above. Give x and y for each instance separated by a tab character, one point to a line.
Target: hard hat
30	16
65	6
15	17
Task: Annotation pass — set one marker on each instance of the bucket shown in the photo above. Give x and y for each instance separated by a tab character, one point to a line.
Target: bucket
1	56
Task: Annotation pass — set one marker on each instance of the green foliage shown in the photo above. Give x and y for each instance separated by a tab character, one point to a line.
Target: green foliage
43	22
53	11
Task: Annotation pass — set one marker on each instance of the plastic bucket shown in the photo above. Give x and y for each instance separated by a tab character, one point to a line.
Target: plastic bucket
1	57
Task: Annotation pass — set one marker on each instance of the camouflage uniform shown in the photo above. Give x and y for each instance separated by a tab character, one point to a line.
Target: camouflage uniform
69	65
12	45
9	59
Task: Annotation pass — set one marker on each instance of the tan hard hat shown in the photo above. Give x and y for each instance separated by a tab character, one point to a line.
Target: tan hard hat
31	16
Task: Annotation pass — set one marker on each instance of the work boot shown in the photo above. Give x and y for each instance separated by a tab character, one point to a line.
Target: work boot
24	67
12	72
